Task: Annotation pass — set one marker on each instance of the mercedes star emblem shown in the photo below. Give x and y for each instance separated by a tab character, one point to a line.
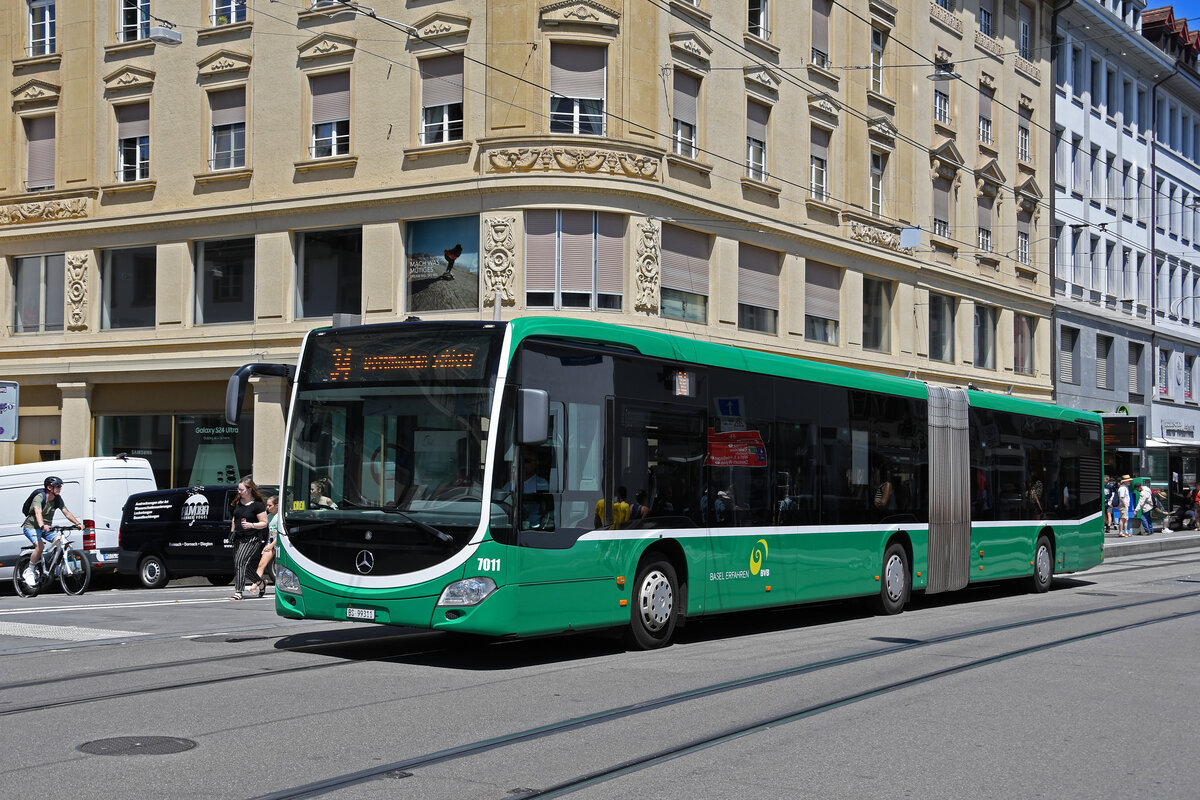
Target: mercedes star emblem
364	561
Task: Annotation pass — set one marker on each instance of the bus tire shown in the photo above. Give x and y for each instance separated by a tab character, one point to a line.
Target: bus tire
655	605
1043	565
895	583
152	572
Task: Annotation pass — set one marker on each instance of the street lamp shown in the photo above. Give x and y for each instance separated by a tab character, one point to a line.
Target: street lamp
164	32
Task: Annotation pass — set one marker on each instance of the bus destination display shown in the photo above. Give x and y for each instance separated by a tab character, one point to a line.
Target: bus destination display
400	359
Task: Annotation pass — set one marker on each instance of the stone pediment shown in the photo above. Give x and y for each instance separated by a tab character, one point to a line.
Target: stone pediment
127	78
223	62
762	79
989	178
945	159
326	45
36	91
824	109
441	26
580	12
692	45
882	132
1029	195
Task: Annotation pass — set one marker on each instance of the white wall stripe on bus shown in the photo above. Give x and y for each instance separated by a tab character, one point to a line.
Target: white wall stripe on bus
67	633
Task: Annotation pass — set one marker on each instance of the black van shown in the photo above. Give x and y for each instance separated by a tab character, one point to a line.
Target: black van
175	533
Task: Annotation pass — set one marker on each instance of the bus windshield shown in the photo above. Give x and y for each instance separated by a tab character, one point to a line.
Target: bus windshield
388	433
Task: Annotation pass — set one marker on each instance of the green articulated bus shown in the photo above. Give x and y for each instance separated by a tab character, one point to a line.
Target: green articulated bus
545	475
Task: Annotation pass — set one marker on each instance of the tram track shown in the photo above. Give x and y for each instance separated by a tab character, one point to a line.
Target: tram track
404	767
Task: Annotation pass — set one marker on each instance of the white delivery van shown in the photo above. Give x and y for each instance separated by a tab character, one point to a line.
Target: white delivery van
94	490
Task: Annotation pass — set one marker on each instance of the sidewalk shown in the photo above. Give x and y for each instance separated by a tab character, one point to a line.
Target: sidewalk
1157	542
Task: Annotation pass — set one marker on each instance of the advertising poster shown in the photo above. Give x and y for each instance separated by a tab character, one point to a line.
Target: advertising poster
443	264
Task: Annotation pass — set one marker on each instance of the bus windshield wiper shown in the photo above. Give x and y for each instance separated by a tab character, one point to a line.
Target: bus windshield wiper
423	527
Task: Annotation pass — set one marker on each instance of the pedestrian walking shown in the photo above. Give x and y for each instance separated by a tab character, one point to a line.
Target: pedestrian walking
247	529
268	553
1124	509
1145	504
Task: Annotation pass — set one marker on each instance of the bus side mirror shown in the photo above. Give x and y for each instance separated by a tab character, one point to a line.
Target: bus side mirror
235	390
533	416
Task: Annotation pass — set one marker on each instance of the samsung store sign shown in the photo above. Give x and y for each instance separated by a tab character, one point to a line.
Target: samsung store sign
1174	429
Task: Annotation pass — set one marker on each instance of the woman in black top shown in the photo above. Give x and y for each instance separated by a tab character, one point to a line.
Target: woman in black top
248	530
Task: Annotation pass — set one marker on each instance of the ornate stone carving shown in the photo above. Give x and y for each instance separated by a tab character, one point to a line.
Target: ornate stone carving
499	258
945	18
1027	67
224	62
77	272
325	45
882	131
648	255
989	45
46	210
129	78
35	91
574	159
987	81
580	12
871	234
692	45
763	77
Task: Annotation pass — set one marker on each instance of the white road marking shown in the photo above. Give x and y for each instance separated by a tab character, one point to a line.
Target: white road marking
68	633
105	606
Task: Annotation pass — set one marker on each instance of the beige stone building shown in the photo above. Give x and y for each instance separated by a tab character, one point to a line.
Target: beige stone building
740	172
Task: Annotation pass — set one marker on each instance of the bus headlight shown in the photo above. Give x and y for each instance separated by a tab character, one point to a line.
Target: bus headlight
286	581
468	592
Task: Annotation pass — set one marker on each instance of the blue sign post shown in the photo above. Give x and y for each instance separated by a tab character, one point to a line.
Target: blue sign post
10	393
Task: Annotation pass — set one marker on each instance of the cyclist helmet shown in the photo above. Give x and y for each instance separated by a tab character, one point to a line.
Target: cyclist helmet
53	481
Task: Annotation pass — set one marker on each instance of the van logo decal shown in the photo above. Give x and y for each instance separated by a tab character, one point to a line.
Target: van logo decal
364	562
194	507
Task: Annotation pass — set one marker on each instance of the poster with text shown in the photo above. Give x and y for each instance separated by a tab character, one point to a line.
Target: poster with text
443	264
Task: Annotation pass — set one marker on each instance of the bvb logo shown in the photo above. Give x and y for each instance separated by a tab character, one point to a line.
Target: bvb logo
757	556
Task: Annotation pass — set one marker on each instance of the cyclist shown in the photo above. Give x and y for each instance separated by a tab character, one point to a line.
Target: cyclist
37	525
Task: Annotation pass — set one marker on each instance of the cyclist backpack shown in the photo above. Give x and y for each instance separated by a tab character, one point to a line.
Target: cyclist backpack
27	507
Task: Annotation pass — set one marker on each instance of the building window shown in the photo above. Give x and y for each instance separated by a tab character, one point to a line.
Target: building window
574	259
133	142
941	327
1164	361
941	207
135	20
684	281
1189	364
1068	355
822	302
986	26
877	315
1134	363
442	99
330	115
985	337
1024	153
41	27
757	19
225	281
1025	33
941	107
38	293
985	115
1023	238
1104	365
758	289
228	112
878	42
757	115
686	99
329	272
820	32
984	223
577	82
878	165
39	143
1024	328
128	284
818	178
227	12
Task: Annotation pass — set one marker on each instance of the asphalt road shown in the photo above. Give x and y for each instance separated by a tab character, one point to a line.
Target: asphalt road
1089	691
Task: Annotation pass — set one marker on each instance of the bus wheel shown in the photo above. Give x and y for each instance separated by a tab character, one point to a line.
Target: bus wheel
655	611
894	581
1043	565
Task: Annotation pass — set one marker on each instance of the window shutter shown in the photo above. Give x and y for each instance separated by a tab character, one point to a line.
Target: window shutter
330	97
985	103
541	250
610	253
1066	355
985	212
819	141
684	260
442	80
133	121
758	277
577	70
577	257
1103	350
941	199
822	290
756	120
228	107
820	25
687	90
1134	358
39	132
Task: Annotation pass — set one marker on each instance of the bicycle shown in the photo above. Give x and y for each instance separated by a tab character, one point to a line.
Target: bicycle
71	567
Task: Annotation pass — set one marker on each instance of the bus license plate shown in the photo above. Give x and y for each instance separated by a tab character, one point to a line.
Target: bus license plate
360	613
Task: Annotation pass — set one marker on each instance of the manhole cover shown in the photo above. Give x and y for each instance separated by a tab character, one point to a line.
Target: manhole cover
137	746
